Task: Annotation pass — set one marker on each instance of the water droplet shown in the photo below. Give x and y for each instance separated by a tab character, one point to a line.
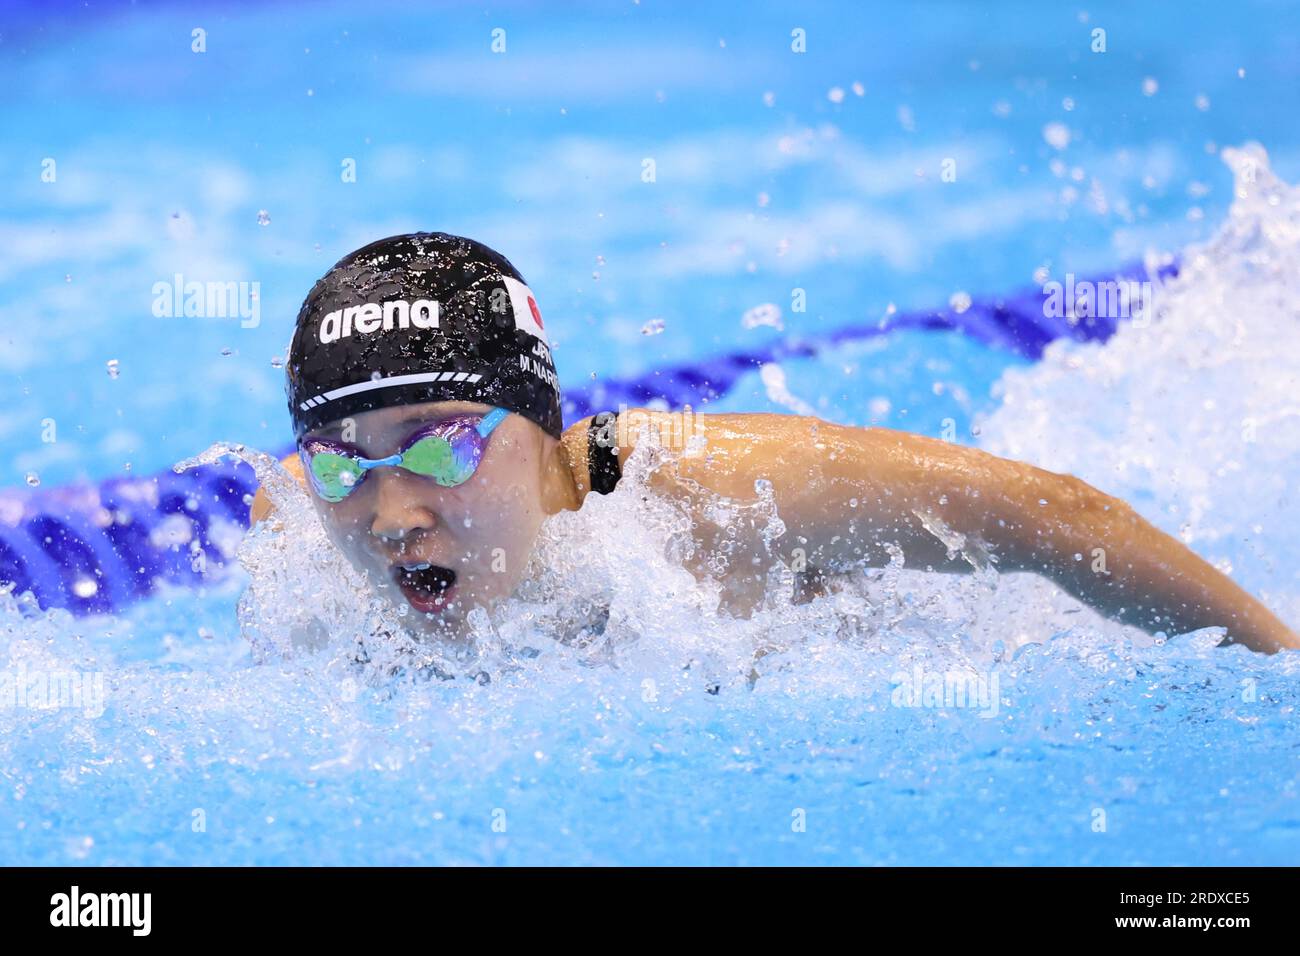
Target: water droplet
1150	86
653	327
114	368
960	302
85	587
1057	135
79	847
766	314
263	217
33	479
277	362
227	351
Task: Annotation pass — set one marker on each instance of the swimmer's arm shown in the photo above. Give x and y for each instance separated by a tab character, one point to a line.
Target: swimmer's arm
844	493
262	507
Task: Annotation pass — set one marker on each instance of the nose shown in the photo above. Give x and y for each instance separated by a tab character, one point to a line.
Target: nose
398	510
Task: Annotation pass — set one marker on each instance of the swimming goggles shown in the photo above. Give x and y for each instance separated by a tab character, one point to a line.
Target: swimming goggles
447	451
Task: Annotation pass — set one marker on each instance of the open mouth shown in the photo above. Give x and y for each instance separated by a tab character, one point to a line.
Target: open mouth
427	587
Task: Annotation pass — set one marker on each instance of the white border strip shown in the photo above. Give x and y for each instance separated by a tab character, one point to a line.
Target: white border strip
390	382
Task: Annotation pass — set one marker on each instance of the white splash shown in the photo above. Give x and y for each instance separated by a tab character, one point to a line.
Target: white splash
1194	415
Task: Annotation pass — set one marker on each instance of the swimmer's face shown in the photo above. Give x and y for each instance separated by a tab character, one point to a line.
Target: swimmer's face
475	538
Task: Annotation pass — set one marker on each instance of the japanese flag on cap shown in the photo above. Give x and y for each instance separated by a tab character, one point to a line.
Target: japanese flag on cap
524	306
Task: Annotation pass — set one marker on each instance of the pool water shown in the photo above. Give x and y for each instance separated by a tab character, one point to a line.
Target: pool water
610	712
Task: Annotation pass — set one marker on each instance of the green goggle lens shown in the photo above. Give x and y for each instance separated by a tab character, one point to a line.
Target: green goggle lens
335	474
433	457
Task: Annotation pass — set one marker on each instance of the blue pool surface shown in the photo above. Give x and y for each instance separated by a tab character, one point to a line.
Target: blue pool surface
774	171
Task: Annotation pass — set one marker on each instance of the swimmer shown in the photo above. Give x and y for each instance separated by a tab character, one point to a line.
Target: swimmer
426	409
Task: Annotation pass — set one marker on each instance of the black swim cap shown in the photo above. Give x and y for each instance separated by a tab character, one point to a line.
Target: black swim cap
424	317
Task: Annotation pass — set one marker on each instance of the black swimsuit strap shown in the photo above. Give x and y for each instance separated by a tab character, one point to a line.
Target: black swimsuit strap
602	452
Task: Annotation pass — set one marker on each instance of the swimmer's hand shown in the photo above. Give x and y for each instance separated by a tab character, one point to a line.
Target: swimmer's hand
845	493
262	507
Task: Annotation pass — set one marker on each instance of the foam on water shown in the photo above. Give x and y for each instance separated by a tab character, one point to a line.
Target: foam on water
1193	416
614	711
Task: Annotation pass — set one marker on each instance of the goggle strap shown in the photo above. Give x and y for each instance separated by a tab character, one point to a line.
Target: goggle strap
367	463
490	421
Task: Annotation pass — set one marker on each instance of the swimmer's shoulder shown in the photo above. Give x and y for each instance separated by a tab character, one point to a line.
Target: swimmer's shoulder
261	504
593	453
597	447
